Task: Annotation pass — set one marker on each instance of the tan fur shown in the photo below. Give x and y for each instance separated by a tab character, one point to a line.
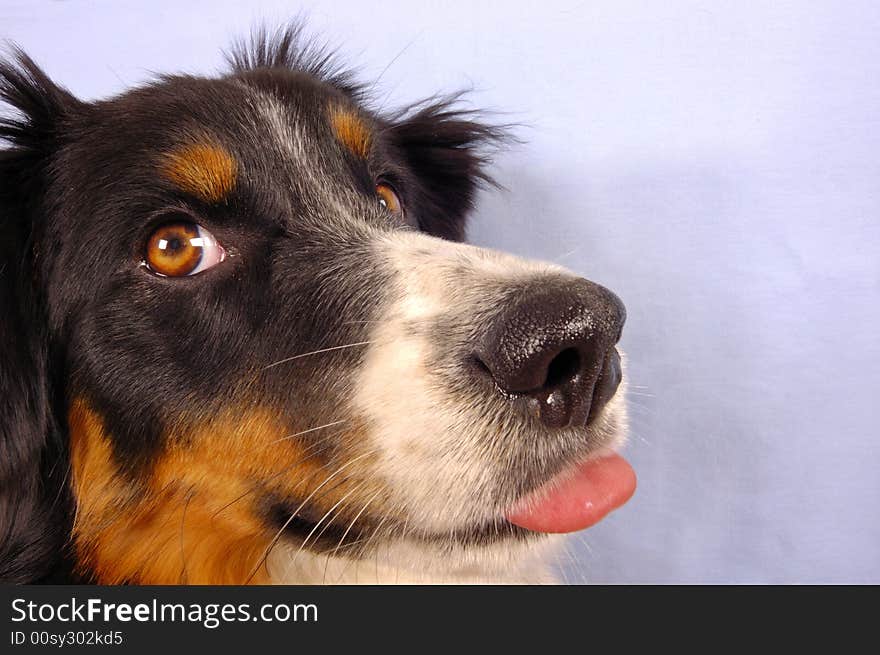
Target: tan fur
192	518
351	130
203	169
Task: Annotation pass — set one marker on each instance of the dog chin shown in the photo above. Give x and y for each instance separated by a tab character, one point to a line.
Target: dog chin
412	561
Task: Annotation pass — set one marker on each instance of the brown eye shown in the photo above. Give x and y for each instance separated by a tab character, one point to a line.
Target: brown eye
182	248
388	198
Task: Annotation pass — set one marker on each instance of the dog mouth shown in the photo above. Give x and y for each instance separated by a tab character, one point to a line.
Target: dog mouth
573	481
575	499
578	497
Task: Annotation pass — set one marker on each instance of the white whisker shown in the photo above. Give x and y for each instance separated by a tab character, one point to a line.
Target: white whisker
303	504
323	518
363	549
347	530
299	434
316	352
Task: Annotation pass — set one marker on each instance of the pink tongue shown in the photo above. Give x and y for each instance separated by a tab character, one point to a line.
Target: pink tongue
596	488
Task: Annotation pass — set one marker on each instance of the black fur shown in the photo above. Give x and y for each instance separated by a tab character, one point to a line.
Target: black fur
78	193
33	498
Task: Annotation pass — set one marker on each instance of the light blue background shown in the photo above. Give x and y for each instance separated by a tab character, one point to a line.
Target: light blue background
717	164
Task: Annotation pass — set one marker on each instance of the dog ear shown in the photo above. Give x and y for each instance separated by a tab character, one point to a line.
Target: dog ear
33	465
447	150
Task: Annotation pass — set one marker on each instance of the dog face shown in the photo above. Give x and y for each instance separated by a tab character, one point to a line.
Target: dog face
253	331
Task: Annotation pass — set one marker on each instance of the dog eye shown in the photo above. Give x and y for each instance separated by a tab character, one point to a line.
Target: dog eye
388	198
182	248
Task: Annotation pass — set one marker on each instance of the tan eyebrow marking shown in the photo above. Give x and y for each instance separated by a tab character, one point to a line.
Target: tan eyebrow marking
351	130
203	169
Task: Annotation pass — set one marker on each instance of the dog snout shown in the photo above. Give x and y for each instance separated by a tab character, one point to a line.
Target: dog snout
553	343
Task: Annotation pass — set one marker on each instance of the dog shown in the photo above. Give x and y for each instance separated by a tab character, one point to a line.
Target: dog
242	341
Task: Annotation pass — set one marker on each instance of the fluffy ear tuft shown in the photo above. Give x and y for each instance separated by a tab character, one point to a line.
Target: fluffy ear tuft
38	104
448	149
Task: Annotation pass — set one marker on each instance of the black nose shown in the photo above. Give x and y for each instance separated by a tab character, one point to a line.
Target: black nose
553	343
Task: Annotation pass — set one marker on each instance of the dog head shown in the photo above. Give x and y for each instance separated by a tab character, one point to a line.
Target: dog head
239	321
